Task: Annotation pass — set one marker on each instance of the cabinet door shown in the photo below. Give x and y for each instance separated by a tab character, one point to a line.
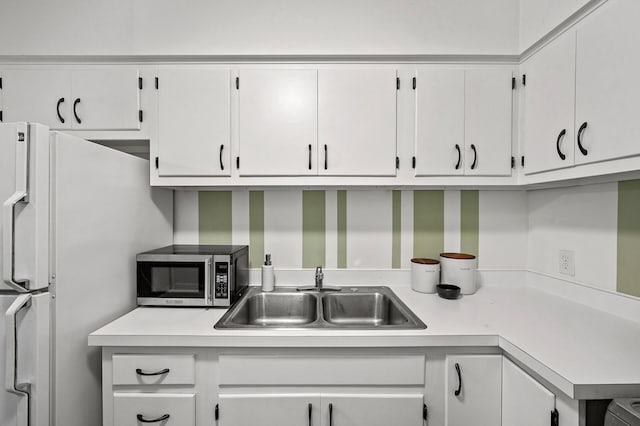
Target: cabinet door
134	409
105	99
549	106
357	122
525	402
439	146
194	122
488	118
38	96
607	95
269	410
473	390
372	410
278	129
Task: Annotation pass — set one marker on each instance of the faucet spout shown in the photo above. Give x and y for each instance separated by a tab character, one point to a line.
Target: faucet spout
319	277
319	283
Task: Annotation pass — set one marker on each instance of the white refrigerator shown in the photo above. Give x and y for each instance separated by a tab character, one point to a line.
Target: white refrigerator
74	215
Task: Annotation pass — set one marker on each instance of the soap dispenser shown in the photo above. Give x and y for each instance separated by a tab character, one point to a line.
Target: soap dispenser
268	279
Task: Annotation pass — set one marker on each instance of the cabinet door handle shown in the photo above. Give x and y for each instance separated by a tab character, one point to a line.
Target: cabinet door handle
309	156
457	392
60	101
582	149
75	111
139	372
475	157
459	156
325	157
221	163
142	419
310	411
330	414
560	136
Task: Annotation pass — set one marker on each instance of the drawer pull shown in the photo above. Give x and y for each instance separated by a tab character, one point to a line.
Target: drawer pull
457	392
142	419
330	414
139	372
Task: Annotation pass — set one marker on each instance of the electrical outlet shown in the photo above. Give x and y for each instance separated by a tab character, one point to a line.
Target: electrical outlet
567	262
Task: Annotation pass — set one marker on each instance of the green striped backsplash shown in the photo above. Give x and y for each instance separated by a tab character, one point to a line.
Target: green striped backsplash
628	276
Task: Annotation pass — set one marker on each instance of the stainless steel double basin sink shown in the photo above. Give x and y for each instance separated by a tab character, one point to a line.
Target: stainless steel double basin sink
350	308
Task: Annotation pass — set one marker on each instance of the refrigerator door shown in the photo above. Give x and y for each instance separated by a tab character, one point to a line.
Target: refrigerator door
24	356
24	193
104	213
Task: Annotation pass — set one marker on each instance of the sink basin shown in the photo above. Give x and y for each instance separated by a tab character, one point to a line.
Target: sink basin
275	310
357	309
351	308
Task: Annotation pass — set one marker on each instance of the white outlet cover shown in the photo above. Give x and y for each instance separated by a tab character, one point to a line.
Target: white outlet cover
566	262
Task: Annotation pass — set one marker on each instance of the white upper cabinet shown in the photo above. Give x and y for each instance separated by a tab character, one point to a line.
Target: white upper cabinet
194	122
357	122
525	402
39	96
439	132
548	117
488	117
463	122
105	99
607	93
474	390
83	99
278	122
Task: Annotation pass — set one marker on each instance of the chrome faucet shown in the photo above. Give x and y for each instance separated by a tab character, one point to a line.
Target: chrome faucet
319	277
319	283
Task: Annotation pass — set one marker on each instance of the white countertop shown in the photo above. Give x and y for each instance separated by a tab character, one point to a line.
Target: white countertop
585	353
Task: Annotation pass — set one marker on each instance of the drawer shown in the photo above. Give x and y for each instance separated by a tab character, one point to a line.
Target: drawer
322	370
153	369
165	409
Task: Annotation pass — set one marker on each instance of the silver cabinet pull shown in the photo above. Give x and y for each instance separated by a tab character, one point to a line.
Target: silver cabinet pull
139	372
162	418
11	371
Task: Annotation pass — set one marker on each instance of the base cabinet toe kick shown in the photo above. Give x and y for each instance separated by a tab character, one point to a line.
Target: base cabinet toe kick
327	387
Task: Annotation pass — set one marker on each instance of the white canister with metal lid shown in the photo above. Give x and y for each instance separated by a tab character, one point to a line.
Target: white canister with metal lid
425	275
459	269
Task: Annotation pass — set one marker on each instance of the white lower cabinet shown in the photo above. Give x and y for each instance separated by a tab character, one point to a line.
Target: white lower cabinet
525	402
373	409
473	390
133	409
269	409
326	387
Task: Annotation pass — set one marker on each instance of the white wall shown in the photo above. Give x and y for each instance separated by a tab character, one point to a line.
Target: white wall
243	27
583	219
538	17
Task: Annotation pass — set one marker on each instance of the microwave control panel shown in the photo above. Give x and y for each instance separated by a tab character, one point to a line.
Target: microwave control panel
221	280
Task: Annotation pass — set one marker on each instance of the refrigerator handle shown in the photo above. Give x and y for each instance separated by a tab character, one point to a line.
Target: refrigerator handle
11	370
9	210
9	242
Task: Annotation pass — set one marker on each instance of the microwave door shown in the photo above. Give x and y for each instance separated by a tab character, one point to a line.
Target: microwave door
173	283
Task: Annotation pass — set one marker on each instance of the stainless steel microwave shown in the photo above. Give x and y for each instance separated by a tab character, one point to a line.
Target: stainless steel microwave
192	275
